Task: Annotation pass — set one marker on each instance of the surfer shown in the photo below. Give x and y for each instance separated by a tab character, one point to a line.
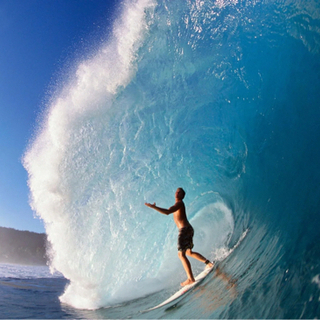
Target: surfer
185	238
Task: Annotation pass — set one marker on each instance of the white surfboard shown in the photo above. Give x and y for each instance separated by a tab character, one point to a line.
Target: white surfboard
185	289
199	278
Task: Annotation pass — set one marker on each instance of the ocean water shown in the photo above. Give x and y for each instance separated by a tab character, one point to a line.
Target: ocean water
218	97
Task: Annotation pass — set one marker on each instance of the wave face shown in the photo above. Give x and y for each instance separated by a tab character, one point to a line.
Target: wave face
218	97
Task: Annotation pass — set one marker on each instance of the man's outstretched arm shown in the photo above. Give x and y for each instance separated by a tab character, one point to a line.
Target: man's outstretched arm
172	209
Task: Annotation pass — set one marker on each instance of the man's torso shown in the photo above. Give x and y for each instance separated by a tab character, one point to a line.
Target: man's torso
180	217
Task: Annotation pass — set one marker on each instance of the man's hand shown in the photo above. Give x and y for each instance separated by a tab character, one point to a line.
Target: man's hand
150	205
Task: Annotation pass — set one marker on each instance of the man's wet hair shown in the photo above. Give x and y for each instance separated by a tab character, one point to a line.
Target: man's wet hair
183	192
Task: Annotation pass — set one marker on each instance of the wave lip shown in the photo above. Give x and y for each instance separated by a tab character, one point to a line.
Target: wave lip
92	88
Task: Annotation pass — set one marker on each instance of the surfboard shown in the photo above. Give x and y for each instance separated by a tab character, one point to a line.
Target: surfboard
199	278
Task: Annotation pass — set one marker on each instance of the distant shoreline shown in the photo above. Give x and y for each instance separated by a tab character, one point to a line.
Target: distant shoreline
22	247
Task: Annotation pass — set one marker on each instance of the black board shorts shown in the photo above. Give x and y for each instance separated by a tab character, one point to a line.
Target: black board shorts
185	238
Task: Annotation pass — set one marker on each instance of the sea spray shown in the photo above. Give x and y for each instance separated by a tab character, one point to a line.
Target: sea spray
55	195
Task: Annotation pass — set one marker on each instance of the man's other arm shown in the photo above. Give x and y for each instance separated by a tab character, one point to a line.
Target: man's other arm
172	209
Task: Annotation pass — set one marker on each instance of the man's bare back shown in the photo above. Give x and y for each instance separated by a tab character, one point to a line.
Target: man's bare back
179	216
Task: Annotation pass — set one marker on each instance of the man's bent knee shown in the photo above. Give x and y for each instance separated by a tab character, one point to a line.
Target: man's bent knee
181	254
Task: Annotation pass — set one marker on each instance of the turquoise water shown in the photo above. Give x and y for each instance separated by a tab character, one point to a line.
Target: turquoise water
218	97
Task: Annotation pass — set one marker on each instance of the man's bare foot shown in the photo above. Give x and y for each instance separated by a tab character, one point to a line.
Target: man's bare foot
185	283
209	265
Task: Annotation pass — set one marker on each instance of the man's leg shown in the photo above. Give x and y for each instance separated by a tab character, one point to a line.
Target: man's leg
187	268
199	257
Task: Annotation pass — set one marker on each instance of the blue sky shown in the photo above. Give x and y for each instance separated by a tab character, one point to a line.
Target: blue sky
38	39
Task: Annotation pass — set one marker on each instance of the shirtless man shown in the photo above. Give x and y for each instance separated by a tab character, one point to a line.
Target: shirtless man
185	243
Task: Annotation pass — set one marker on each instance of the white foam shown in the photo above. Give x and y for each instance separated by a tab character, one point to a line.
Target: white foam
92	88
316	280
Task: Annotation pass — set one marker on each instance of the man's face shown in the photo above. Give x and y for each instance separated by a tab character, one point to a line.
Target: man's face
179	194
